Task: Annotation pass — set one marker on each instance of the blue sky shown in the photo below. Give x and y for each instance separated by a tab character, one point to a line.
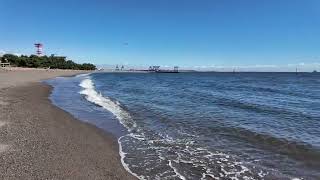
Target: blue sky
276	34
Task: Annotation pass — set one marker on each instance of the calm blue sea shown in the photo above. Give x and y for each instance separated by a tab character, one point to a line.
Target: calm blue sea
203	125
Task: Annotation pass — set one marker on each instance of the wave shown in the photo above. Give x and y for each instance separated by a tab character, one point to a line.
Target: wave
159	145
290	147
125	165
176	158
110	105
269	109
171	157
83	75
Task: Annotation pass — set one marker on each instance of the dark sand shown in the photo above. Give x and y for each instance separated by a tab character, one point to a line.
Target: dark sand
41	141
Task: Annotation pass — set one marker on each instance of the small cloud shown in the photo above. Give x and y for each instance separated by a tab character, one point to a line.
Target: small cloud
2	52
304	58
315	57
264	66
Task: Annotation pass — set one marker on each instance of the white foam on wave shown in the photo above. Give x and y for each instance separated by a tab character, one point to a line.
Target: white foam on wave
204	175
112	106
125	119
176	171
82	75
122	156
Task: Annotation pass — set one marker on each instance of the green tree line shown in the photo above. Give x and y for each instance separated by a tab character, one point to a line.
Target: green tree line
52	62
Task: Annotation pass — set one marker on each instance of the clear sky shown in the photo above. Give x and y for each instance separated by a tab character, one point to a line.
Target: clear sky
276	34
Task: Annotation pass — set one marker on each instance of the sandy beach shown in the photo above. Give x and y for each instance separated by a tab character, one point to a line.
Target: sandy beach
41	141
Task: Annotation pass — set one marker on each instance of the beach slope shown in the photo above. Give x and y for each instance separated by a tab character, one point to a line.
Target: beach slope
41	141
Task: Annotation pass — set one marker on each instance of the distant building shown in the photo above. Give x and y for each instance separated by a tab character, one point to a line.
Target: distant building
154	68
4	64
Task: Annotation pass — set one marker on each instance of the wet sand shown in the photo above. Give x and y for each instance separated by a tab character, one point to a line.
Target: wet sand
40	141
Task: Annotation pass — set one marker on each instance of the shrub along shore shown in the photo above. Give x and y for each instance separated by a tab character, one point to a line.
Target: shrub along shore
52	62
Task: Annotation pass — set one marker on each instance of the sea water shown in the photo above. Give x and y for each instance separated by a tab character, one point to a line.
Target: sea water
203	125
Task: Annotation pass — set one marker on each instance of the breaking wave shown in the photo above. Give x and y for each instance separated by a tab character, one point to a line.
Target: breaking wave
112	106
147	154
173	158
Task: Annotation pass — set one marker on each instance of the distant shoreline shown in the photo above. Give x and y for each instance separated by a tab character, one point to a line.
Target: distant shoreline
195	71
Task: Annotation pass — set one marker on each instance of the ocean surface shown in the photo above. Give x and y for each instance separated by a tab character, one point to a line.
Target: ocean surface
203	125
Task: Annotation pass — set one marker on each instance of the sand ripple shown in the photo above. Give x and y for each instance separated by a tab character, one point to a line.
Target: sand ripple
2	123
3	147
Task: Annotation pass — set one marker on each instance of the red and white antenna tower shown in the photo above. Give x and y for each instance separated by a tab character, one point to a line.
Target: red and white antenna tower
39	48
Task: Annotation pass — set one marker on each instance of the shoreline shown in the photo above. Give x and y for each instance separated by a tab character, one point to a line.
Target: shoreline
38	140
